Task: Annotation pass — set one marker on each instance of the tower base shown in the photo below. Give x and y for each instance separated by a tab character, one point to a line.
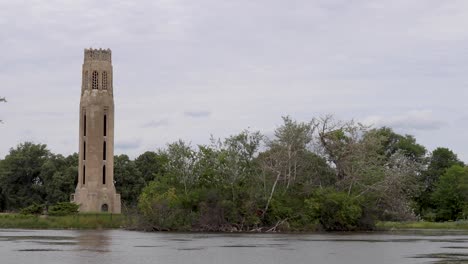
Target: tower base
104	200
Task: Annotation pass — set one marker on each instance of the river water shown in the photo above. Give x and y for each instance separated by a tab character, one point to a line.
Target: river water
129	247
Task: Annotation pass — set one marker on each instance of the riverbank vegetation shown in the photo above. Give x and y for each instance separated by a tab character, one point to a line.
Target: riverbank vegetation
75	221
455	225
326	174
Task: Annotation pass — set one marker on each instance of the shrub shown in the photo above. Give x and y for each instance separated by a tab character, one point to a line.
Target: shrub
429	215
464	215
33	209
161	208
336	211
64	208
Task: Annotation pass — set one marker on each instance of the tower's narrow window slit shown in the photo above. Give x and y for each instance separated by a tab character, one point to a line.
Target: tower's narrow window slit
104	174
104	151
84	125
84	174
105	125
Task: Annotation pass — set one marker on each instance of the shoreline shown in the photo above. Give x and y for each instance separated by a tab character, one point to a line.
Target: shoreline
423	225
120	221
78	221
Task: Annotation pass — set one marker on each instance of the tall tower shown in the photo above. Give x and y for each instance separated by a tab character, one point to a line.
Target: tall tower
95	191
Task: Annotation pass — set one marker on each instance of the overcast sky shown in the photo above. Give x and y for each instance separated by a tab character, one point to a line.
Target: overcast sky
188	69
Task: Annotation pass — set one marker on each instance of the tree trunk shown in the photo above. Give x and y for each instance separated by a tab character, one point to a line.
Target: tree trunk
271	194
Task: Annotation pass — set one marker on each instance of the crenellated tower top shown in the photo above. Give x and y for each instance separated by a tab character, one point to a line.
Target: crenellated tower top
97	71
97	55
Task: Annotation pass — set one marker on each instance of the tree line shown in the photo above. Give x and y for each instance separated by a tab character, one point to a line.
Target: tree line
339	175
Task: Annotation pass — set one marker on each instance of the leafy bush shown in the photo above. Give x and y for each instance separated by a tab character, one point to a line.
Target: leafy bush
429	215
33	209
161	208
64	208
465	212
336	211
289	210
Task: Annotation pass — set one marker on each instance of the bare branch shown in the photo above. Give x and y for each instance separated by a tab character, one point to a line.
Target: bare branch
2	100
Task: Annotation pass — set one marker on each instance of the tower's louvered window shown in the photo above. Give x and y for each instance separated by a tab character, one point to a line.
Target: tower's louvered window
104	80
84	150
105	125
104	174
104	151
84	174
95	79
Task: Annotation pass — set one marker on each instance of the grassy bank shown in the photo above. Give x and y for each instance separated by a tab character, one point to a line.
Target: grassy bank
423	225
112	221
79	221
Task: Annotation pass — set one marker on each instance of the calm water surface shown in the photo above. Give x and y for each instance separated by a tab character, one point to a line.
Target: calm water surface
118	247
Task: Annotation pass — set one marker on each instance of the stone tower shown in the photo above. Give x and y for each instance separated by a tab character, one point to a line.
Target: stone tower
95	191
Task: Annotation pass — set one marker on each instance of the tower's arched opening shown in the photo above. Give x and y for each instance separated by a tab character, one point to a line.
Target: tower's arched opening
104	208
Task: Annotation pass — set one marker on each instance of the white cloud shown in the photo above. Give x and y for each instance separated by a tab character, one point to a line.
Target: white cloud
156	123
411	120
197	114
126	145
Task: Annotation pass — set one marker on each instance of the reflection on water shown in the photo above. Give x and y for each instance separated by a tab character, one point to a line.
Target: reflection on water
446	257
39	249
118	247
95	240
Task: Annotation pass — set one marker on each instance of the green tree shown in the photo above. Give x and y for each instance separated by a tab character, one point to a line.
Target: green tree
439	161
451	194
283	161
373	164
60	176
22	175
237	159
181	163
291	142
353	151
128	180
151	164
393	142
237	171
315	173
206	170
